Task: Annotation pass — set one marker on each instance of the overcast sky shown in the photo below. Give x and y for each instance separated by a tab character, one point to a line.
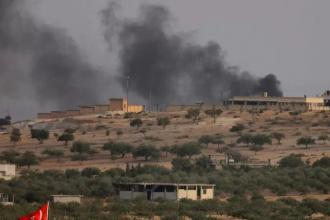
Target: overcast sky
289	38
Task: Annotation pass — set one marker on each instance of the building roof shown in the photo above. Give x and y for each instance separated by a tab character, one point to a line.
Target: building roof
167	184
66	196
268	99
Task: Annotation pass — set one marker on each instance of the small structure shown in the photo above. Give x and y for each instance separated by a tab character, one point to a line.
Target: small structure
5	200
66	199
169	191
7	171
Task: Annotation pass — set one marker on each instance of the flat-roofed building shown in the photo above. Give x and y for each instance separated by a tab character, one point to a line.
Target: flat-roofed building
169	191
101	108
86	110
66	198
7	171
282	103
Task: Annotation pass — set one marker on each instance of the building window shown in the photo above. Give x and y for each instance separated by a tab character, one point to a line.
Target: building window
204	191
191	187
182	187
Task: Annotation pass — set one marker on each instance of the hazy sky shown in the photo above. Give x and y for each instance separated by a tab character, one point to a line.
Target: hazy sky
286	37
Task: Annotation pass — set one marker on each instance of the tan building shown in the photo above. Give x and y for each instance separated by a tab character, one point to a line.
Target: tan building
169	191
120	104
66	199
115	105
282	103
99	109
7	171
86	110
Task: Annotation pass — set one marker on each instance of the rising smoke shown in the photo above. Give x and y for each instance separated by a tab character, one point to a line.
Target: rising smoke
168	67
41	62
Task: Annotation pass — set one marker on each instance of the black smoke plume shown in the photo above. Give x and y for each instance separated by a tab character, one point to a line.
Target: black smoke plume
168	67
42	61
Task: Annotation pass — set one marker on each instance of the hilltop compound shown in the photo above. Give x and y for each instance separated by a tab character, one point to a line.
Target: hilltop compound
114	105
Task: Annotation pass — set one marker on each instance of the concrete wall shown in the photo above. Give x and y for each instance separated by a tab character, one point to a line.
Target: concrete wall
207	193
7	171
66	199
131	195
135	108
101	108
117	104
187	194
164	195
86	110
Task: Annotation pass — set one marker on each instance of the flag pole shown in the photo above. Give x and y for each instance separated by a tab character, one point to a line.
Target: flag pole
48	210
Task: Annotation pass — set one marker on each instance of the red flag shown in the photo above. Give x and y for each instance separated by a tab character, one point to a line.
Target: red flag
40	214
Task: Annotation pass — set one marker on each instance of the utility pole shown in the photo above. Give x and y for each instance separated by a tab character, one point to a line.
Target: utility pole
127	90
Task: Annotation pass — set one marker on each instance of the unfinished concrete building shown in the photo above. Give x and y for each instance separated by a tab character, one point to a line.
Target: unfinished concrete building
277	103
169	191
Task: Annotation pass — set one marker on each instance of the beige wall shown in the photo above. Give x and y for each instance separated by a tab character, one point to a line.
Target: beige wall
117	104
135	108
207	193
66	199
7	171
86	110
101	108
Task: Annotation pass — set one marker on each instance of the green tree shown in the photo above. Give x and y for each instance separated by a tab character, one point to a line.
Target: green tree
193	114
182	164
256	148
187	149
28	159
214	113
324	138
54	153
291	161
205	139
261	139
218	140
66	137
323	162
15	136
306	141
146	151
119	148
9	156
278	136
137	123
39	134
163	121
80	147
205	163
246	139
166	150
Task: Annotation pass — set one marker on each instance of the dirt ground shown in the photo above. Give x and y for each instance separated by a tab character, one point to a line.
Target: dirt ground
93	130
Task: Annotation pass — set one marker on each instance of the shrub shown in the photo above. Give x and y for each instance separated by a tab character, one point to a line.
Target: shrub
163	121
237	128
146	151
323	162
137	123
291	161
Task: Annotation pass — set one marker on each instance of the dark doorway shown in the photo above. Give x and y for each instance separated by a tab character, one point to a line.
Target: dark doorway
149	195
199	189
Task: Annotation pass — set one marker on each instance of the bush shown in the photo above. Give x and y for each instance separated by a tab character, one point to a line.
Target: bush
146	151
291	161
90	172
237	128
323	162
